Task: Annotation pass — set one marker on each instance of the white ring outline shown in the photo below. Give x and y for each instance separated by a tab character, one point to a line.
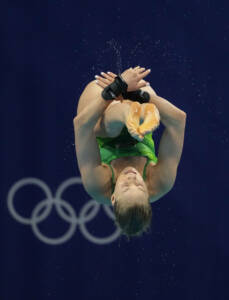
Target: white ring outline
58	201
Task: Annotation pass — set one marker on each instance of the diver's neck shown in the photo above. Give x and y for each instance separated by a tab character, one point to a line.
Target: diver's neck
119	164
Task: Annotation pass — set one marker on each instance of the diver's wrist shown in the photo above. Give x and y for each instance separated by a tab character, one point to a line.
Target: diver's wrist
115	89
140	96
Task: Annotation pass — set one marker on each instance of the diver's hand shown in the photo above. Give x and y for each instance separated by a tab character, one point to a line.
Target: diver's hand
133	78
106	80
129	75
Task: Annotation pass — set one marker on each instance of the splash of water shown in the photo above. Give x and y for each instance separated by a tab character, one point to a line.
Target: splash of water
117	50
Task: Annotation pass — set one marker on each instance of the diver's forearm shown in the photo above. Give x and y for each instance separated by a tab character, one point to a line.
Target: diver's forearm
91	114
169	113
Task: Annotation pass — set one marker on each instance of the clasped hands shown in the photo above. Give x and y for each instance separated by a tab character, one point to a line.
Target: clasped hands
134	79
132	76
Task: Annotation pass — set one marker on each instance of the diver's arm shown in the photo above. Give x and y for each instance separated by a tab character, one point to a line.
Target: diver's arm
162	176
90	115
169	152
86	146
171	142
87	153
169	114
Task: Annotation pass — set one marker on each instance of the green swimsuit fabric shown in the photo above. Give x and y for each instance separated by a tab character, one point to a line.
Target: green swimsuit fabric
125	145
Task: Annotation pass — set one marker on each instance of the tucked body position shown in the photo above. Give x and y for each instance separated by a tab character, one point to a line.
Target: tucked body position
116	117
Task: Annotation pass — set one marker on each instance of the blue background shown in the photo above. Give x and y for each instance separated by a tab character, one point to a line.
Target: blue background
50	50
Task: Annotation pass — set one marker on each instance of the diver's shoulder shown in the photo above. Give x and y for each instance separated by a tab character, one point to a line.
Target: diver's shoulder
155	182
161	193
101	186
100	196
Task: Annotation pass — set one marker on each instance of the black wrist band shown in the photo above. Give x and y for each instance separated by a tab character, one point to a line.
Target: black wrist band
138	95
117	87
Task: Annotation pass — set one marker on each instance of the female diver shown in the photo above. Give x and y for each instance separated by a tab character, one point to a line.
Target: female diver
116	116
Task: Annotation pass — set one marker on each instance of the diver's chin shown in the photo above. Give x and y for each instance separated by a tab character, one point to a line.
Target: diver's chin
129	170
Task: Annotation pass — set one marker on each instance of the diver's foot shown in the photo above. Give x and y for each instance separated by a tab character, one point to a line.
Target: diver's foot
133	119
151	118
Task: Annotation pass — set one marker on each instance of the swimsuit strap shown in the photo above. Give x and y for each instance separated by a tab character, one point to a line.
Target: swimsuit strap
144	171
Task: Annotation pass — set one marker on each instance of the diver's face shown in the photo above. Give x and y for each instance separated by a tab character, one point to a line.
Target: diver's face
130	186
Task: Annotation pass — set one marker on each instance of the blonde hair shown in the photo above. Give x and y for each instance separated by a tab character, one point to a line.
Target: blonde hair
133	219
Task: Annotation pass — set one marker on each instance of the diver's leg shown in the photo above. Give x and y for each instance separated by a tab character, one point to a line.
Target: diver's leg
151	118
110	123
139	119
142	119
133	119
113	119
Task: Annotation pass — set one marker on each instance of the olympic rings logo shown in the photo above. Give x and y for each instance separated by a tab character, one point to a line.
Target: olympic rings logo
59	203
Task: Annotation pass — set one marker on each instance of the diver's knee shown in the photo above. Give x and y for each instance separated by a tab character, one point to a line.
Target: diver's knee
93	88
113	129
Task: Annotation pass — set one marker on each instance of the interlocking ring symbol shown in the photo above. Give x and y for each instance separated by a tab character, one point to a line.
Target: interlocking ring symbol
59	202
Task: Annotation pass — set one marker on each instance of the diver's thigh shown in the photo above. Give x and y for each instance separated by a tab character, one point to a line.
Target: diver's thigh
113	119
90	91
108	124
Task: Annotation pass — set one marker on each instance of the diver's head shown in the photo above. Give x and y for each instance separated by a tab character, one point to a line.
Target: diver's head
131	203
